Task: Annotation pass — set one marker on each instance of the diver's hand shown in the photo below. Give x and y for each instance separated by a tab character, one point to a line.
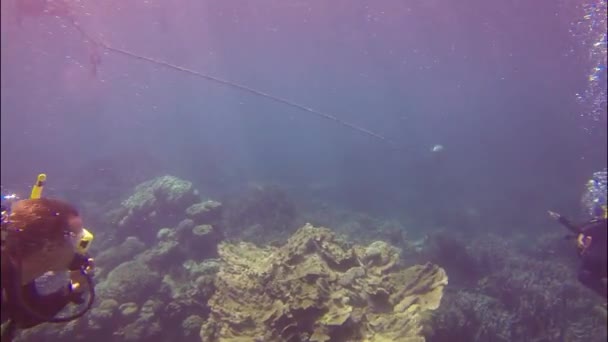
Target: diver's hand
79	285
90	267
554	215
79	279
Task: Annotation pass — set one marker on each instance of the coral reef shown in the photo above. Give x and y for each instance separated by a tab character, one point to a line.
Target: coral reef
516	297
161	277
101	316
205	212
115	255
129	282
147	325
318	288
263	213
162	202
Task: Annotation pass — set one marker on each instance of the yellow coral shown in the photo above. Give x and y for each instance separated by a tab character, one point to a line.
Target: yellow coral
317	288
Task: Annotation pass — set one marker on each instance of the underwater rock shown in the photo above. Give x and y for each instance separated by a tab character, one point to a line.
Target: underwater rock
192	325
184	225
183	230
165	234
178	287
140	330
205	267
318	288
205	286
146	327
158	202
202	242
165	190
161	256
131	281
102	314
202	230
380	254
128	309
206	212
113	256
167	250
150	309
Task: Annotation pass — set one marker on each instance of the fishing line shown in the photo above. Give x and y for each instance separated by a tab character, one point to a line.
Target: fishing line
233	85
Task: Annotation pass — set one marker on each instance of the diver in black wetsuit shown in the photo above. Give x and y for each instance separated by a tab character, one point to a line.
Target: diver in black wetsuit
592	243
41	235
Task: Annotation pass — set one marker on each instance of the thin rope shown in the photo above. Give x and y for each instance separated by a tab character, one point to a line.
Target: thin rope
231	84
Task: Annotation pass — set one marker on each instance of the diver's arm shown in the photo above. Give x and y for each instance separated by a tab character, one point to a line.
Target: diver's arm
565	222
595	227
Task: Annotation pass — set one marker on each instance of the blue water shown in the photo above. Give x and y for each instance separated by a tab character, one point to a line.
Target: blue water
513	90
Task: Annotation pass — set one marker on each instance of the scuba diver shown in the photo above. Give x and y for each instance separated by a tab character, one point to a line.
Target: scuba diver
592	236
42	239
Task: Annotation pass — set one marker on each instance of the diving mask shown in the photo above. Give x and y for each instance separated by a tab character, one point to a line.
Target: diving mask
81	241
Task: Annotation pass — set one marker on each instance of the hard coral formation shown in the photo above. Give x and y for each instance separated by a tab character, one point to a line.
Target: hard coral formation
102	315
318	288
159	200
146	327
166	190
113	256
165	234
128	309
130	281
192	325
162	255
202	241
205	212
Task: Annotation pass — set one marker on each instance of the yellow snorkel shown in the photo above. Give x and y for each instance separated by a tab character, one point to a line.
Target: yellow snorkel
38	186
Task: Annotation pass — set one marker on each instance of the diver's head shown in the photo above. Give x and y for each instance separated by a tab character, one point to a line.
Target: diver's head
41	235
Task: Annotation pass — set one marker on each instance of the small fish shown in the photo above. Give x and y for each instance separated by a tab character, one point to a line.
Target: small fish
437	148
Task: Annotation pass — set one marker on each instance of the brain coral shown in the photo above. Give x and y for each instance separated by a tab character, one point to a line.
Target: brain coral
317	288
